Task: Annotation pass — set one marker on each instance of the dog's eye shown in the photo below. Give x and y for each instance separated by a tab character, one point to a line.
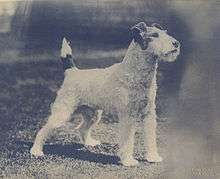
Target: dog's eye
154	35
149	39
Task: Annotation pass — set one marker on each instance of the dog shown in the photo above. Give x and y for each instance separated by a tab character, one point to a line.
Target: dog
127	89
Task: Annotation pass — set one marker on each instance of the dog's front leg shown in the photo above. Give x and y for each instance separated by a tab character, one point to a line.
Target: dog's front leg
150	138
150	124
126	141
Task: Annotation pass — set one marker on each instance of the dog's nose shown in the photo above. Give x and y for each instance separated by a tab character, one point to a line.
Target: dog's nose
176	44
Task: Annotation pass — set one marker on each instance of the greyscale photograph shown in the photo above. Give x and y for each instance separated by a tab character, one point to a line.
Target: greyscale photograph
114	89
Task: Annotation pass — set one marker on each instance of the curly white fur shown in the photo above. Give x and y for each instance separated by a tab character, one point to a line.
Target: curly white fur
128	89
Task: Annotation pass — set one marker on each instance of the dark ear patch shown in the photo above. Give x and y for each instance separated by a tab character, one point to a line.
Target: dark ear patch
136	34
138	37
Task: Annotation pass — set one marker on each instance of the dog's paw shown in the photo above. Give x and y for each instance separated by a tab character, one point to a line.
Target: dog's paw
36	152
156	158
92	142
129	162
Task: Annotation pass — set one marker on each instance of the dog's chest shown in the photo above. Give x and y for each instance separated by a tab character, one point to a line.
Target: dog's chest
142	90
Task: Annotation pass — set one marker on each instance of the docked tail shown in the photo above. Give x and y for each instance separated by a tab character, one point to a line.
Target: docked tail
66	55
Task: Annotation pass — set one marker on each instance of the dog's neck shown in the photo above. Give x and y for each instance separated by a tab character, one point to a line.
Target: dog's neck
138	67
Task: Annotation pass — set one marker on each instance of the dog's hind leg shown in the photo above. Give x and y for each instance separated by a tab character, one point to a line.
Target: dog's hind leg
61	110
86	130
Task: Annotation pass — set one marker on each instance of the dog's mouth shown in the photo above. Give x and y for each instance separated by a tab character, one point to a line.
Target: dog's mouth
171	52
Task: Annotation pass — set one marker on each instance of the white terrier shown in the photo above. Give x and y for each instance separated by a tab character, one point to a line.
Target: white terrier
127	89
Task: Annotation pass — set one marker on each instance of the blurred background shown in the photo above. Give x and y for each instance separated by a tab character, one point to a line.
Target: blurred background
189	89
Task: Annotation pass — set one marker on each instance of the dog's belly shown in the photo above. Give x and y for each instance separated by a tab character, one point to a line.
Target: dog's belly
101	99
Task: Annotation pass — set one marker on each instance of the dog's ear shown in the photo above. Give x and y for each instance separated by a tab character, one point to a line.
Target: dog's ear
138	32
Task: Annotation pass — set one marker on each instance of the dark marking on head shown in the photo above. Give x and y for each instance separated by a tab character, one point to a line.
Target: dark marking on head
138	32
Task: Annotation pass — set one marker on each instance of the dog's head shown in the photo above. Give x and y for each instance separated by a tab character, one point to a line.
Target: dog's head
154	39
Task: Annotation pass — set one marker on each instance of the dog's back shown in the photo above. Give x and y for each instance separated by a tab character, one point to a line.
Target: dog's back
90	78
